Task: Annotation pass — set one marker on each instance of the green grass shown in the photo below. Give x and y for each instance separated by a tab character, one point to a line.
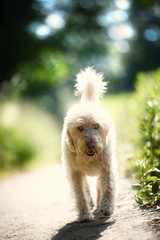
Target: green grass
122	109
43	132
39	127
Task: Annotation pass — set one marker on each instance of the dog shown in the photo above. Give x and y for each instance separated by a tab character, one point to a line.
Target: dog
88	146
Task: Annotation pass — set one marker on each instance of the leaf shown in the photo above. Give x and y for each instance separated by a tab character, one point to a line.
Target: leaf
157	151
151	179
155	187
146	195
136	186
155	172
155	220
138	199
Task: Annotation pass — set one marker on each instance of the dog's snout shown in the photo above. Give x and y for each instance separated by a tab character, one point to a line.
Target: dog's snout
90	145
91	148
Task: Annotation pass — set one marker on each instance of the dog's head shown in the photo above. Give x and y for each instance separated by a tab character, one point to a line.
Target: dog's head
87	135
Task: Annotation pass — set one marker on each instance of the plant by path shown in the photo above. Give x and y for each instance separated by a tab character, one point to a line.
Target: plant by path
148	171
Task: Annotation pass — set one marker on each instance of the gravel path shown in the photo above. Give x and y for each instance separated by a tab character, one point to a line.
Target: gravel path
37	206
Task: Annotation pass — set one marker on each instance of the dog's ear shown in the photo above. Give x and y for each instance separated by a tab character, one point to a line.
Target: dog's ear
70	142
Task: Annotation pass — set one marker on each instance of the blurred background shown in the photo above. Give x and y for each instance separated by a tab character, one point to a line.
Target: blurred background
45	43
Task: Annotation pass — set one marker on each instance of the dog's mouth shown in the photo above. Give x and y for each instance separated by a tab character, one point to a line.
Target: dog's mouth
91	153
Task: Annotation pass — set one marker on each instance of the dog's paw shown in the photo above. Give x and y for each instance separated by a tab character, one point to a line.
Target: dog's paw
106	210
86	218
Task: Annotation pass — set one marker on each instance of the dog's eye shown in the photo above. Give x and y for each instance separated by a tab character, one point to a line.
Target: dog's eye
96	126
80	128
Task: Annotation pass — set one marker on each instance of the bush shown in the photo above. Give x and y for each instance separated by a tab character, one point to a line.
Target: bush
148	171
15	149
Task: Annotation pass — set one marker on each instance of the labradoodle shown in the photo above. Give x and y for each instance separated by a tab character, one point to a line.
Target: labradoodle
88	146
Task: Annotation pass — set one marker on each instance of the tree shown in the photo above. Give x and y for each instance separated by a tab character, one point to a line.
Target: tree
16	43
88	36
145	52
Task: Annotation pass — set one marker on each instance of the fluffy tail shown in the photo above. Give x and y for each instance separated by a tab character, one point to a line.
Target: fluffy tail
90	85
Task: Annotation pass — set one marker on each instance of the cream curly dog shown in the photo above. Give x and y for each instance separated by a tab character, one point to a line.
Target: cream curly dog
88	142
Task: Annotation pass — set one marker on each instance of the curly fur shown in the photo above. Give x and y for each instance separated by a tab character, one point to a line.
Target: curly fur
88	146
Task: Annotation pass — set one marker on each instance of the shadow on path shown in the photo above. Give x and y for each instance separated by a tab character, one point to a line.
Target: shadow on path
83	231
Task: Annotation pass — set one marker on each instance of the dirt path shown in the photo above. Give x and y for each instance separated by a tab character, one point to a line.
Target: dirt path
37	205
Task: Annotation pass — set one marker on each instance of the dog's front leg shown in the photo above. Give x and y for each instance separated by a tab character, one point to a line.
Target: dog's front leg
107	192
87	193
81	202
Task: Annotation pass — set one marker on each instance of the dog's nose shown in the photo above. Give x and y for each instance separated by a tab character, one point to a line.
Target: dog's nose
90	145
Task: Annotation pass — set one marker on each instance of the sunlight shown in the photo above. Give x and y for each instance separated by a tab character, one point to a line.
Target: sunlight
113	17
121	31
41	30
55	20
9	114
123	4
117	16
48	4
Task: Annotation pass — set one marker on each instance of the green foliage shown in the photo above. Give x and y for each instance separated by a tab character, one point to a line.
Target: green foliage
148	171
29	136
15	149
118	56
39	77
